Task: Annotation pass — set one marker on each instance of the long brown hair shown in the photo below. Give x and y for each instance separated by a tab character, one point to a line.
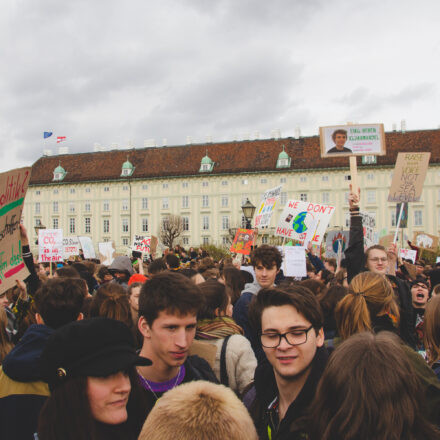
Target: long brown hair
432	329
369	295
5	345
383	392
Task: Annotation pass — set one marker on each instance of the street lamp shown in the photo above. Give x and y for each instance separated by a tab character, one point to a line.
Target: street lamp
248	211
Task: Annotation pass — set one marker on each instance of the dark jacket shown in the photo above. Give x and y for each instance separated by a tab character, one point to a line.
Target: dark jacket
22	393
263	393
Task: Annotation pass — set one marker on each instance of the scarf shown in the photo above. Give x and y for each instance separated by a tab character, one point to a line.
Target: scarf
217	328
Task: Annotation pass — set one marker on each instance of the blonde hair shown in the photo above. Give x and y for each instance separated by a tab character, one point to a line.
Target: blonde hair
199	410
369	295
432	329
5	344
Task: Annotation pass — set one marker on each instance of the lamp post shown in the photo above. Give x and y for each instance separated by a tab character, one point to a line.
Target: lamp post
248	211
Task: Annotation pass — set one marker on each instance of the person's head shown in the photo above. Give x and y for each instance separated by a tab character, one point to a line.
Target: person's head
66	272
420	267
420	292
121	268
134	291
266	261
436	290
376	259
369	295
103	275
59	301
316	286
172	261
5	345
340	278
168	307
432	329
289	322
156	266
339	138
4	301
234	280
199	410
330	264
89	366
217	302
193	275
373	371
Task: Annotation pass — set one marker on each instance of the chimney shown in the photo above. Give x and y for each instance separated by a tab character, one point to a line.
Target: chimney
47	152
257	135
297	132
208	139
403	126
189	140
114	146
96	147
164	142
394	126
150	143
63	150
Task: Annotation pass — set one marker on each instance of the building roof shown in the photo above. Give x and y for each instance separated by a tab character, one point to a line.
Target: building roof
229	157
283	154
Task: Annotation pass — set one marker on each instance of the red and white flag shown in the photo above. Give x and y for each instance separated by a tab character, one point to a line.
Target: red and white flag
60	139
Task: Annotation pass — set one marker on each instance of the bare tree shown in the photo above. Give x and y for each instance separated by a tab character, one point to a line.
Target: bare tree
171	227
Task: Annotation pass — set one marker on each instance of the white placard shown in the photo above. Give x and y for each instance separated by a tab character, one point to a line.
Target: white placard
141	243
294	261
87	247
106	250
50	245
267	206
408	254
71	247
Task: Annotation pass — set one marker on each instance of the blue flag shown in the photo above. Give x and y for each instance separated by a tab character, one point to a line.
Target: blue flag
47	134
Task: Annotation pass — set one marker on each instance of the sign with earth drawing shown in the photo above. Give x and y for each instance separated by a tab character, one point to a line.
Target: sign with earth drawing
304	219
336	241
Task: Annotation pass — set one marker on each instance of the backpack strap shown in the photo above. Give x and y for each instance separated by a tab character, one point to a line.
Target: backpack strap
223	371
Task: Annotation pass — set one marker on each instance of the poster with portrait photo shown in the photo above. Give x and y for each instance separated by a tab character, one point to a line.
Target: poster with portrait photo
348	140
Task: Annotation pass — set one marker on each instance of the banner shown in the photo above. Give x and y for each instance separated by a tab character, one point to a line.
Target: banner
71	247
408	254
334	241
294	261
243	240
87	247
50	245
425	241
298	217
13	187
267	206
106	250
145	244
409	176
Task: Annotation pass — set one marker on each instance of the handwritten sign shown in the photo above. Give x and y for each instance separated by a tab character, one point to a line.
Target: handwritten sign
336	241
13	187
371	237
294	261
409	176
348	140
267	205
243	240
87	247
106	252
408	254
142	243
50	245
298	217
71	247
425	241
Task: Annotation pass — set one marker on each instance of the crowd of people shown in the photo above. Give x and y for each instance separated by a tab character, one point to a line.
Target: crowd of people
186	347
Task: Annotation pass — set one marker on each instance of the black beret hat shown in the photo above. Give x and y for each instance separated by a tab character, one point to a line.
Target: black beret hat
92	347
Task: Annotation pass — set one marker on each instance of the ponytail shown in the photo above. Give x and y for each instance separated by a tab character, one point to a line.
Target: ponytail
352	315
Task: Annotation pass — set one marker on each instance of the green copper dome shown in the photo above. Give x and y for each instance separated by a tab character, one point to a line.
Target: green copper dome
127	165
284	160
59	169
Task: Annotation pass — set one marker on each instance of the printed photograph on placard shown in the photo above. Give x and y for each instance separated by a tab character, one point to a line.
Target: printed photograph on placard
348	140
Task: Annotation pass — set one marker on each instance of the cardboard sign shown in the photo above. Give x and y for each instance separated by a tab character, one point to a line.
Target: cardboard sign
71	247
143	243
409	176
425	241
106	251
243	240
386	240
294	261
348	140
50	245
87	247
336	241
371	237
408	254
13	187
298	217
267	205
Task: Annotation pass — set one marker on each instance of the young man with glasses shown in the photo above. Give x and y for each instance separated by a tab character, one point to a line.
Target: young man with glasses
289	322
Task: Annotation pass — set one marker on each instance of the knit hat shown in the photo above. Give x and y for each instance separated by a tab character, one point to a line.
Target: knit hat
137	278
95	347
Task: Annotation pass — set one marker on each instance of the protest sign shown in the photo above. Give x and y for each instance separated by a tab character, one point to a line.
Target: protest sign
13	187
50	245
106	251
87	247
243	240
386	240
71	247
425	241
294	261
267	205
371	237
347	140
336	241
143	244
408	254
298	217
409	176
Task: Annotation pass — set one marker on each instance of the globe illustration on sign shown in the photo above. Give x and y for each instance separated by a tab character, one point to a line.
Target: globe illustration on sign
298	224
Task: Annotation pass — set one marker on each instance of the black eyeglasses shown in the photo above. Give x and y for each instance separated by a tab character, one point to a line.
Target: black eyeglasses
294	337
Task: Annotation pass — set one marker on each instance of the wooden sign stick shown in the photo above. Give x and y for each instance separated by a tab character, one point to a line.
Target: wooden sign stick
398	223
354	175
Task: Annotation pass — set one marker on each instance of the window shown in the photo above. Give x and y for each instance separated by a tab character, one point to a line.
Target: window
145	224
283	198
106	205
72	225
144	203
185	201
71	207
283	180
368	160
225	223
205	240
206	167
165	203
225	240
87	190
106	188
205	222
37	208
325	197
393	218
263	181
324	178
225	201
347	177
125	205
184	184
185	240
37	193
371	196
72	190
243	221
205	201
303	179
55	206
55	191
185	223
37	222
264	239
87	227
55	223
224	183
125	241
205	183
370	176
244	182
144	187
106	226
346	195
303	197
87	207
125	187
125	225
164	185
126	172
418	218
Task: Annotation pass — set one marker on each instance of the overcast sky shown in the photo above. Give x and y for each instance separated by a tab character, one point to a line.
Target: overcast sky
114	72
